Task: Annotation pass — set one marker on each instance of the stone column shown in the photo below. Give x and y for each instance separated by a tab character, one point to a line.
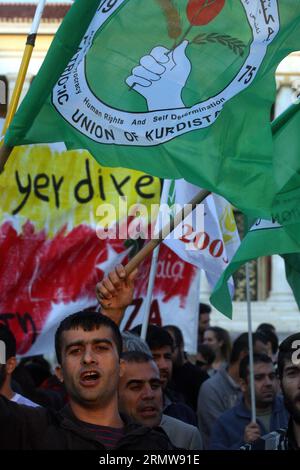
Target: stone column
280	289
285	97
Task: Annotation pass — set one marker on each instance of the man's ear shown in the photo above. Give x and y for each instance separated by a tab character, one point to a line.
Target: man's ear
122	368
59	373
11	364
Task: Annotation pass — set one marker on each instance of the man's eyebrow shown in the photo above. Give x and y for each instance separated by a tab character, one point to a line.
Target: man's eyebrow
140	382
94	341
102	340
134	382
74	343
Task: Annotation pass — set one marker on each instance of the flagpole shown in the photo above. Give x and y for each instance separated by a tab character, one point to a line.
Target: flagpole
5	150
250	342
165	187
30	43
165	231
148	300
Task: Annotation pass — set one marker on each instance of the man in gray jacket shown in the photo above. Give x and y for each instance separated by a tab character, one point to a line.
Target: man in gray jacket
235	427
140	398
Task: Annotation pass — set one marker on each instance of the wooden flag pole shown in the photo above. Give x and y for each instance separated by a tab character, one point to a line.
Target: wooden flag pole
30	43
153	269
165	231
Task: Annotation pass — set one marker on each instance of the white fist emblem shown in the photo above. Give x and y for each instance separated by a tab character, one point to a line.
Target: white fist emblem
161	76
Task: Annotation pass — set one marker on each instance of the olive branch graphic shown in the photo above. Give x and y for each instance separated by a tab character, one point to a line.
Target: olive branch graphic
237	46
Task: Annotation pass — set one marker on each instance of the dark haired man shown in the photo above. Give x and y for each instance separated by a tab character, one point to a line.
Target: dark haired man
140	397
269	332
161	345
287	438
234	427
88	347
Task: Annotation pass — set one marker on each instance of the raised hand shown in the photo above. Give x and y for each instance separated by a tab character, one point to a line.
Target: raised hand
115	292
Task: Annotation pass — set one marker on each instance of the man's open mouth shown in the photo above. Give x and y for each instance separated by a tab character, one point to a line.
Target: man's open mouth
89	378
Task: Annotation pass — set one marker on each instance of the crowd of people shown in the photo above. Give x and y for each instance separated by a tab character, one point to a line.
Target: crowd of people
113	390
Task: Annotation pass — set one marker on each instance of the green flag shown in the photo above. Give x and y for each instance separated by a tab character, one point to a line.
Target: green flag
263	239
286	169
281	235
176	88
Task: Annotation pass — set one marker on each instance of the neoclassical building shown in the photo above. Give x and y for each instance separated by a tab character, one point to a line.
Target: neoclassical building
272	299
15	21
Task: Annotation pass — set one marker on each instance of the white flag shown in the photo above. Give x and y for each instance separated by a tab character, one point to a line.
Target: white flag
209	243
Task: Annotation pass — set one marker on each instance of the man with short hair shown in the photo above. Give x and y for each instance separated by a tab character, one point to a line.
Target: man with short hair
222	391
287	438
7	369
88	347
234	427
161	345
140	397
269	332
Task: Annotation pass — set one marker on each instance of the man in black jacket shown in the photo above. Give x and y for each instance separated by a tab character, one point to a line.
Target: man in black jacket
88	347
